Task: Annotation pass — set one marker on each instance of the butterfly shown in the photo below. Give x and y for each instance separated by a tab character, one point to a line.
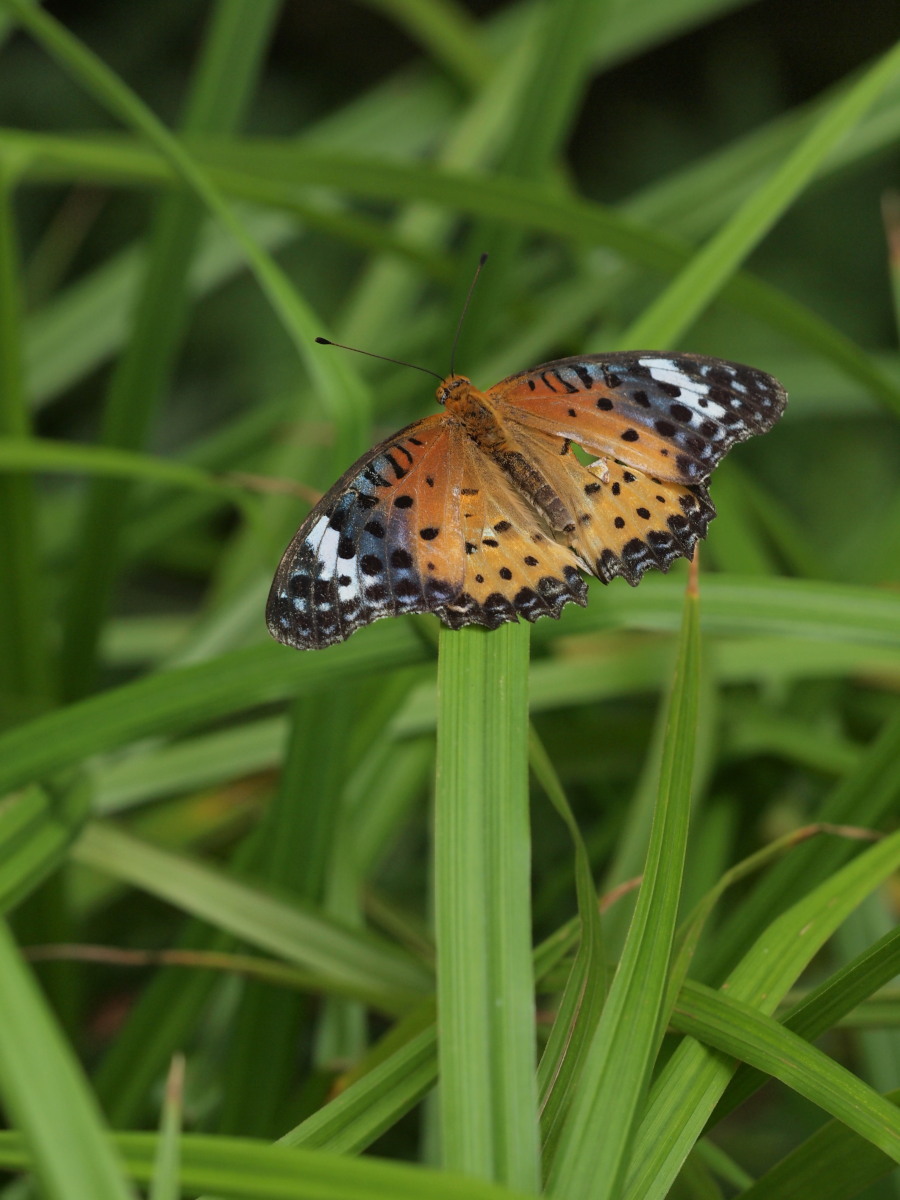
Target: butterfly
484	513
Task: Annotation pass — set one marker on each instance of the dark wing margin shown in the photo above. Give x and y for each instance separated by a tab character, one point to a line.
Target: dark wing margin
355	558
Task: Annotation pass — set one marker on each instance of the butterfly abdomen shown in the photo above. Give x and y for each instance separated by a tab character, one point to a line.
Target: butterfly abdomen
534	486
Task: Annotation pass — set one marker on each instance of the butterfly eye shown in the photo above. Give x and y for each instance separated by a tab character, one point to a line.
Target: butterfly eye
451	385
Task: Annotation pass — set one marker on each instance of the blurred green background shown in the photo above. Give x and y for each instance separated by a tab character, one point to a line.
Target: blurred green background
352	113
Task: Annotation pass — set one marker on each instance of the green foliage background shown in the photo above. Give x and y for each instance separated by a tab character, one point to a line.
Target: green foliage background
188	195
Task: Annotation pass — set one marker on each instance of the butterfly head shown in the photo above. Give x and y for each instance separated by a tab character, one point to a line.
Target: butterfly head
450	386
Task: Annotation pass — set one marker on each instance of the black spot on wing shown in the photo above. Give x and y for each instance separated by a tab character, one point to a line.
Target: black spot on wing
702	405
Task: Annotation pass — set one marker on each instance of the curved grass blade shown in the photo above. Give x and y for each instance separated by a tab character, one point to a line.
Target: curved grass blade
813	609
43	454
690	1085
348	960
824	1006
740	1030
276	176
689	294
586	988
46	1096
340	386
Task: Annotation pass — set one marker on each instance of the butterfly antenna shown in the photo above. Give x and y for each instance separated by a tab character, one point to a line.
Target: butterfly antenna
384	358
465	309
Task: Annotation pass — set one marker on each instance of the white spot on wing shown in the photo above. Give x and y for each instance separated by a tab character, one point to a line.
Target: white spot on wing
664	370
349	591
327	548
712	410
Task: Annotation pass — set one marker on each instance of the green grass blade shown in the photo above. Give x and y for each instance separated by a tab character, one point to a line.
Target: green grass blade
686	298
37	827
582	1001
277	175
739	1030
817	610
172	701
24	665
242	1169
352	962
593	1150
823	1007
690	1085
166	1167
231	55
43	454
482	909
46	1096
339	385
376	1101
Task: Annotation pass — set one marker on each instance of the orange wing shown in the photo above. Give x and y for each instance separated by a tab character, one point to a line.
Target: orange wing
385	540
672	416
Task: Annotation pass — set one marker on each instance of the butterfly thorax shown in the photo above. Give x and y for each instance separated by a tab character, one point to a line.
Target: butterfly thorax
474	411
480	416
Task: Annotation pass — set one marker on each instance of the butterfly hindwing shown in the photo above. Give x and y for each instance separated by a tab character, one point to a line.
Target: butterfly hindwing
623	521
384	540
672	416
514	567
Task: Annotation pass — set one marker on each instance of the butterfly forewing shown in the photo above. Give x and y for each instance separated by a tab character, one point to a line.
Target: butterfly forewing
671	416
358	555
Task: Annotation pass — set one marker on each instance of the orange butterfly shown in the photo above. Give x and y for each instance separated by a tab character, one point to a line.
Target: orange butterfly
483	513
